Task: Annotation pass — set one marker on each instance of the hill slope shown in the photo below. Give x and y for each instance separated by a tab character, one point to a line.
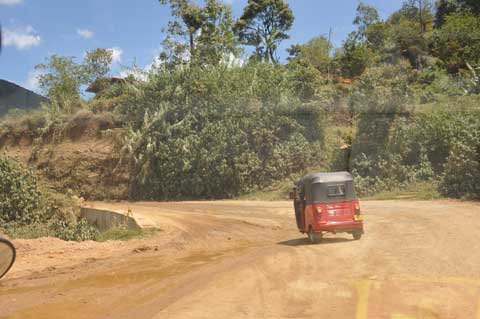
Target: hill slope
14	96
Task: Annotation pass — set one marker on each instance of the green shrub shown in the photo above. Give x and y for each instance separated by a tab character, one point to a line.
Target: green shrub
70	231
29	209
27	231
461	171
218	132
19	194
73	231
440	146
395	147
119	234
456	43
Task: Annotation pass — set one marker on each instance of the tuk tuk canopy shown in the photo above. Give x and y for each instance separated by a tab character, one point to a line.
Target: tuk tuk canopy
326	187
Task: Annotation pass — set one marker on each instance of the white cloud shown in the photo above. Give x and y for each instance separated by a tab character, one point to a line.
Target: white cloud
22	38
116	54
10	2
85	33
32	81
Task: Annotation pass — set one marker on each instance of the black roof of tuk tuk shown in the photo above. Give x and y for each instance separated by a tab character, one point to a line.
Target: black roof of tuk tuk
333	177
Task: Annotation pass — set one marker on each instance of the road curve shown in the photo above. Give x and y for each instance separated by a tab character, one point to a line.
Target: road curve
240	259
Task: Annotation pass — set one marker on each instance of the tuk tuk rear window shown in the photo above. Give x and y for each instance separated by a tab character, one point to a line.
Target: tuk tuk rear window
336	190
330	193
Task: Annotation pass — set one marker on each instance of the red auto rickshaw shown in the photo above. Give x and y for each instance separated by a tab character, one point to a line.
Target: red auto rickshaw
326	202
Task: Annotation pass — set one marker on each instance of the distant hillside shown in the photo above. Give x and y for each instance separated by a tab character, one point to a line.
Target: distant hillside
14	96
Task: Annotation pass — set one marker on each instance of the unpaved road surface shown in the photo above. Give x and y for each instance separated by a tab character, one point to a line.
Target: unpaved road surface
240	259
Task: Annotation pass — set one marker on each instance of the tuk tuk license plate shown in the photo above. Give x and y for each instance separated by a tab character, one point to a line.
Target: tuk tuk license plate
358	217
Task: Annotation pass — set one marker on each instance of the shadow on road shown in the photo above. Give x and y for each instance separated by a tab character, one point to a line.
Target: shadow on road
304	241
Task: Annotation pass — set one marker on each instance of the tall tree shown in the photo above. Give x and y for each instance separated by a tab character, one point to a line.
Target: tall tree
370	28
366	16
60	78
354	57
264	24
443	9
217	40
204	33
315	52
407	41
457	43
420	11
187	23
97	63
424	8
472	5
448	7
409	31
309	66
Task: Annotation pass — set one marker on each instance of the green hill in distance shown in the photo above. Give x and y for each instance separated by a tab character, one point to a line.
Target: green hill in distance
13	96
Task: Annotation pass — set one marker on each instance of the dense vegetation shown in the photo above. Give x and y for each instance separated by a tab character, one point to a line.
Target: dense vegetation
30	209
219	115
218	132
396	145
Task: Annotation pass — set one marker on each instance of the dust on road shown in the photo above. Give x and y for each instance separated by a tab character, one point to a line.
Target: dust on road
240	259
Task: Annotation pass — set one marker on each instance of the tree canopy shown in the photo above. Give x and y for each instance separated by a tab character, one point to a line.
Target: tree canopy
449	7
96	63
198	33
263	25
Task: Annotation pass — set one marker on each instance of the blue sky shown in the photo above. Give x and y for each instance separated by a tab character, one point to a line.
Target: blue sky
36	29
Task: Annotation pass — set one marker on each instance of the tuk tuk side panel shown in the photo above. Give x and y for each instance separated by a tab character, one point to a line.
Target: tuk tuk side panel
298	214
307	212
300	206
309	218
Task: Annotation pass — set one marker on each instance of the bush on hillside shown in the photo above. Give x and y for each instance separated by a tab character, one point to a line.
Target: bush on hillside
461	169
19	196
218	132
28	209
394	149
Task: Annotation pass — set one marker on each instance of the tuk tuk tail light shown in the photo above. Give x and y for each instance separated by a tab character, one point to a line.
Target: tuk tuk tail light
319	210
357	209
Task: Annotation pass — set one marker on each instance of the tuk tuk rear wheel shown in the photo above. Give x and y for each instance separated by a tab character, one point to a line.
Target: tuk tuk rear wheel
357	235
314	237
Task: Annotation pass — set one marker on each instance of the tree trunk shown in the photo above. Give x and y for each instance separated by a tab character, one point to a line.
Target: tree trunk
272	55
192	45
422	23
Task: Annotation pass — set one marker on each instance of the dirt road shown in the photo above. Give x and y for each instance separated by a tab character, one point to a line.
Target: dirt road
238	259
